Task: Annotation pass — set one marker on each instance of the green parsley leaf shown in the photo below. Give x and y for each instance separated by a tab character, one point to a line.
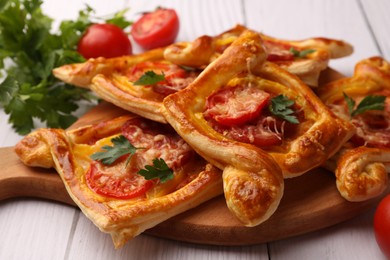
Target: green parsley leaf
301	54
280	107
371	102
150	78
29	51
121	146
159	170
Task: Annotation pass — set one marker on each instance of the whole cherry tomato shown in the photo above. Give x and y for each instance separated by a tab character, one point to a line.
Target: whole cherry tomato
382	225
104	40
156	29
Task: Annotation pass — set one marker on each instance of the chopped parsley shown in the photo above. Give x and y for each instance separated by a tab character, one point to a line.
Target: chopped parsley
121	146
159	170
371	102
301	54
281	107
150	78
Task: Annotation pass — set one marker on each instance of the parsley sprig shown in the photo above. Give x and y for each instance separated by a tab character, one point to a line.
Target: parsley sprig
29	50
281	107
159	170
371	102
301	54
150	78
121	146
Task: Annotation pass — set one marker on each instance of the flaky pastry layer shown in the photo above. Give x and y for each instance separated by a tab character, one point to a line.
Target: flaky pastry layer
205	49
68	152
362	169
253	181
107	79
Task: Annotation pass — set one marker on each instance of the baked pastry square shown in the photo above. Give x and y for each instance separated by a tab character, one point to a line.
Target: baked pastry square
101	166
363	164
304	58
242	103
136	83
225	116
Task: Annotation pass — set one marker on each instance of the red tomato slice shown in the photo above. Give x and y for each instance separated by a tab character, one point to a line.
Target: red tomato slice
113	181
156	29
236	105
176	78
104	40
278	51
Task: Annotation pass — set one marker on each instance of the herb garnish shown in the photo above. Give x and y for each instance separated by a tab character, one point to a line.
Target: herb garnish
301	54
159	169
29	50
150	78
121	146
280	107
372	102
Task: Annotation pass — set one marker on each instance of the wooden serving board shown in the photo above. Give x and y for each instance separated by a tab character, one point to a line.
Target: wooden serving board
310	202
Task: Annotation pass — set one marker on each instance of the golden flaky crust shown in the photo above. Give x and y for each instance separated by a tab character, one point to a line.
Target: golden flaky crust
361	169
253	182
107	79
81	74
68	152
205	49
319	135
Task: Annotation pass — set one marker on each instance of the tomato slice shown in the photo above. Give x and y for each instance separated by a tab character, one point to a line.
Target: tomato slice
176	78
236	105
156	29
278	51
115	182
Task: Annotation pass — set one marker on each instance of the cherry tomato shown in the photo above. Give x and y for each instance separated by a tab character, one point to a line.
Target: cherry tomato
115	182
382	225
104	40
156	29
176	78
236	105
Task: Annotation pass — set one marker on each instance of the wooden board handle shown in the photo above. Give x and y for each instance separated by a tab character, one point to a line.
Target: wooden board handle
18	180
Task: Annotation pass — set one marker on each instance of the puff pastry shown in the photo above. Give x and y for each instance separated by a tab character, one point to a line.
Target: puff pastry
285	53
117	199
243	69
362	165
114	80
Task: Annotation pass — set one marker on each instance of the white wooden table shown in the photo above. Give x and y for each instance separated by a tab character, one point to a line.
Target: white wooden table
37	229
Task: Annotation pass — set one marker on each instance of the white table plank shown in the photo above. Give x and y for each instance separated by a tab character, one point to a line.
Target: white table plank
377	14
90	243
32	229
353	239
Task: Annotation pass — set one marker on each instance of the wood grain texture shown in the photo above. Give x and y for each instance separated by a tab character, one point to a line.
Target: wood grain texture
311	202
